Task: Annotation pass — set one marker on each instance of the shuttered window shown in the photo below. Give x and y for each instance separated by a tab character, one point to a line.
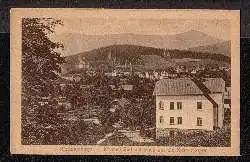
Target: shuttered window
199	105
171	120
179	120
171	105
179	105
161	105
199	121
161	119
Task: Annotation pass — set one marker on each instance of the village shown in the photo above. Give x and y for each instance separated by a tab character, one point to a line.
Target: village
122	106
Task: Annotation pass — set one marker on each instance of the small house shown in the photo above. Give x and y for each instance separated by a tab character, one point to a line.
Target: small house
127	87
119	104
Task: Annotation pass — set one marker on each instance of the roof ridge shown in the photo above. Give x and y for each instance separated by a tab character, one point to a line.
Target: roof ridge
183	86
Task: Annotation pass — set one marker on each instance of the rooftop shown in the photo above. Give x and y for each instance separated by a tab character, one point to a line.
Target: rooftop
186	86
122	101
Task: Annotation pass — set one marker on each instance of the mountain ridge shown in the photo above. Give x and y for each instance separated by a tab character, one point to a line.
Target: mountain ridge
143	57
144	50
76	43
221	48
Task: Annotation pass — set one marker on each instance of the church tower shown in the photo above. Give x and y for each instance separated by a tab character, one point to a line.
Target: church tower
109	56
166	54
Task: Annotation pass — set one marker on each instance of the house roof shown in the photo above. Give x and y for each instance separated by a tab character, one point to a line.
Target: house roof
127	87
186	86
122	102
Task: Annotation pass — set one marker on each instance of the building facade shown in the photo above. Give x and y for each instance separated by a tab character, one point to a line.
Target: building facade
183	104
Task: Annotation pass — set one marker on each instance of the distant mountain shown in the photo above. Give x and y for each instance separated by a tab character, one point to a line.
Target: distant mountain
220	48
76	43
143	57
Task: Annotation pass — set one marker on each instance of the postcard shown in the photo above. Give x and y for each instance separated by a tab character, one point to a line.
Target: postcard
152	82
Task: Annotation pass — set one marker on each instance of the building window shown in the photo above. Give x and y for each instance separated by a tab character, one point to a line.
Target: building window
179	105
179	120
171	120
199	105
171	105
161	105
161	119
199	121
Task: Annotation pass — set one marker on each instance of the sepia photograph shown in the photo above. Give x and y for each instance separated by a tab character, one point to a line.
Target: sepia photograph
99	81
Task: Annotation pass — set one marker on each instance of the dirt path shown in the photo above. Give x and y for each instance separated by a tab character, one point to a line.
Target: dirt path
105	138
131	135
136	137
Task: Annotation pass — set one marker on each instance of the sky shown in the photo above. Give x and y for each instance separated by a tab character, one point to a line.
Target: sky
147	26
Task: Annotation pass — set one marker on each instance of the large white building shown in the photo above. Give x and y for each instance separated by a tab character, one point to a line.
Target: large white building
191	104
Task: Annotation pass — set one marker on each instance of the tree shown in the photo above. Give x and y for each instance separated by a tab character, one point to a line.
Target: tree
40	57
40	64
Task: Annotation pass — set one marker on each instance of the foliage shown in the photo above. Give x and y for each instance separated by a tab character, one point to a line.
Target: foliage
41	62
141	56
216	138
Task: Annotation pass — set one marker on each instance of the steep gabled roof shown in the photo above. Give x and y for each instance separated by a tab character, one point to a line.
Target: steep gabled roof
186	86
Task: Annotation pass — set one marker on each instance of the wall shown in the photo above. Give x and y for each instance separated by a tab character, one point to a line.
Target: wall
189	112
219	99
